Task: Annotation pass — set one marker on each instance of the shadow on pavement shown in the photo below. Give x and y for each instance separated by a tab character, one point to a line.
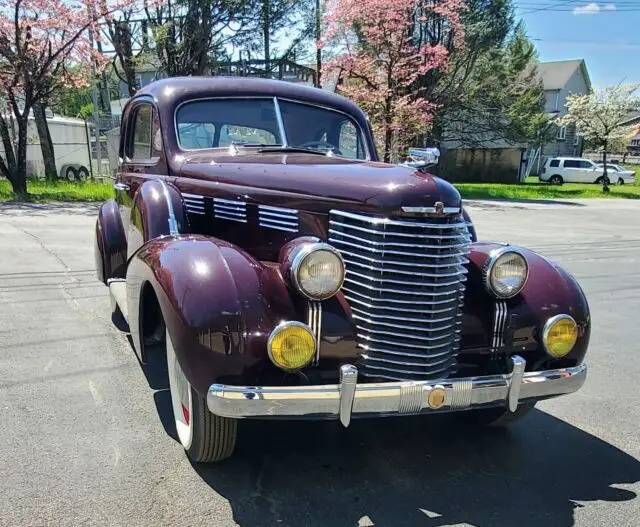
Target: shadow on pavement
417	471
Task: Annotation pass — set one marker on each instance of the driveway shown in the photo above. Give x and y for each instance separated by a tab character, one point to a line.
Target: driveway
85	435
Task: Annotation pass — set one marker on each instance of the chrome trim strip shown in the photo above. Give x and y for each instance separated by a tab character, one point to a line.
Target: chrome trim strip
393	270
350	399
409	354
283	133
432	210
186	195
400	244
456	291
499	318
448	337
279	222
385	279
374	317
278	209
408	253
402	234
405	292
314	320
408	264
267	214
424	329
426	364
277	228
223	201
173	224
410	372
387	221
402	326
200	213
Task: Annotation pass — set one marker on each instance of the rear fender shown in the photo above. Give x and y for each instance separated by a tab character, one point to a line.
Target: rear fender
219	304
506	327
110	248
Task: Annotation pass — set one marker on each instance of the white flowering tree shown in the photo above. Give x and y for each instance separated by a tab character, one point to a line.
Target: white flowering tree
597	117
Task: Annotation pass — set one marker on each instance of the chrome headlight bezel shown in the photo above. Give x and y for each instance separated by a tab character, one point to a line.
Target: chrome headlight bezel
493	260
279	329
299	259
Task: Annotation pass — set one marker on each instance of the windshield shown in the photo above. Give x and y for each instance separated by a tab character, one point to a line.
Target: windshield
218	123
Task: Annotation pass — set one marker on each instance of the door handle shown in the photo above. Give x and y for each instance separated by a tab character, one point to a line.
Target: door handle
121	186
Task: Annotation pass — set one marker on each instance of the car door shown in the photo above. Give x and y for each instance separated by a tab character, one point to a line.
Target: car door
142	158
589	171
570	171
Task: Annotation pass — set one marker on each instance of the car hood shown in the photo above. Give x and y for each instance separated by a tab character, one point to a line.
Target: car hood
312	182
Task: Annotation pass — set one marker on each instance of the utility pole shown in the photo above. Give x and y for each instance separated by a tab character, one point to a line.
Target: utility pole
318	50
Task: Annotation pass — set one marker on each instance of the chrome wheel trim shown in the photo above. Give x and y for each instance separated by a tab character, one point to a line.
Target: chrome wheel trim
180	397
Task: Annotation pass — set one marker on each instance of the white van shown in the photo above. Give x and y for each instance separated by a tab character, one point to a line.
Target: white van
558	170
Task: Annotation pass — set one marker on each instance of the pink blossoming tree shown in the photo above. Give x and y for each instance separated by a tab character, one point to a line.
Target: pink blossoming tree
382	54
43	44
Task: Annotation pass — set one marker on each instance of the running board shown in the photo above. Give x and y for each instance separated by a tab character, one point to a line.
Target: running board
118	294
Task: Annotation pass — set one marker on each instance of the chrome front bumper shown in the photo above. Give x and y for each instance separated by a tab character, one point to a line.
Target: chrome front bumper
349	398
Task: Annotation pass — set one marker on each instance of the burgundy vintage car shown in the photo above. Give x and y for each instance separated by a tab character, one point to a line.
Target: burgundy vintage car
256	238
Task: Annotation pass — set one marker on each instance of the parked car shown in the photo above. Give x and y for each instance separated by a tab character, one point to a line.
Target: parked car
558	170
256	239
619	175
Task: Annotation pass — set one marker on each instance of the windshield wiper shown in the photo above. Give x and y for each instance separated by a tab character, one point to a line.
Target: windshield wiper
295	149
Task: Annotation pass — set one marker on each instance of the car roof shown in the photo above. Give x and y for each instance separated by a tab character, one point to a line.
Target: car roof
174	90
572	158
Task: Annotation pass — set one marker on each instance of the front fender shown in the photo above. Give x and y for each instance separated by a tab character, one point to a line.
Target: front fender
219	304
110	248
499	328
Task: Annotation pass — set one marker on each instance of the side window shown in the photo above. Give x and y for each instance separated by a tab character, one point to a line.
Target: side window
554	163
140	147
349	141
245	135
196	135
585	164
571	163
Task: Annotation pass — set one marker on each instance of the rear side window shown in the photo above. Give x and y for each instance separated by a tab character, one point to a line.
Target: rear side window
554	163
571	163
141	145
584	164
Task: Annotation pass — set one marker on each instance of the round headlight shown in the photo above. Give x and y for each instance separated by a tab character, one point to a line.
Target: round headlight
291	346
559	335
505	272
318	271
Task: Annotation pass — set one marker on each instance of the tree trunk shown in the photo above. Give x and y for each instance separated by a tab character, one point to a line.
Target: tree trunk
605	177
19	180
46	144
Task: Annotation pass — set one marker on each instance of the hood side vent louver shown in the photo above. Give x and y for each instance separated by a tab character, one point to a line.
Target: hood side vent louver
278	218
232	210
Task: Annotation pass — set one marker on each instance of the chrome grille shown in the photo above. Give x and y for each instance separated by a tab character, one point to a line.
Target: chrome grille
405	283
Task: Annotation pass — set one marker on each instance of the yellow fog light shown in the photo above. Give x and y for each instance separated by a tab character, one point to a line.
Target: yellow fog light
559	335
291	346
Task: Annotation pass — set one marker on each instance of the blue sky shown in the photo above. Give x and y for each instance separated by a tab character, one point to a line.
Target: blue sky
605	34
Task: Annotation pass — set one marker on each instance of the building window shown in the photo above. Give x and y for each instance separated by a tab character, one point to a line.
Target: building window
576	140
562	133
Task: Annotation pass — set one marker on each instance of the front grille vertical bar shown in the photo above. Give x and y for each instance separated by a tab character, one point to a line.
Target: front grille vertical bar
405	282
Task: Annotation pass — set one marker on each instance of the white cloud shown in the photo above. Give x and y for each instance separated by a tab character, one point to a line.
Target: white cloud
593	8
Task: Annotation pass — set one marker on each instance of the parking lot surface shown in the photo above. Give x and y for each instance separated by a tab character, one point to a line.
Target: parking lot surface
86	437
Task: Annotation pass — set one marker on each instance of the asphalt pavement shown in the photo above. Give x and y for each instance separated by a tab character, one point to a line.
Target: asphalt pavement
86	435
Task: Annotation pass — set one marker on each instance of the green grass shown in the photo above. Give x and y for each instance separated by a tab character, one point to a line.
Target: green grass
535	189
42	191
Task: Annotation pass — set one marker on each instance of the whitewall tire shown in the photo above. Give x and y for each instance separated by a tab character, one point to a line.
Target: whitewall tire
205	437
